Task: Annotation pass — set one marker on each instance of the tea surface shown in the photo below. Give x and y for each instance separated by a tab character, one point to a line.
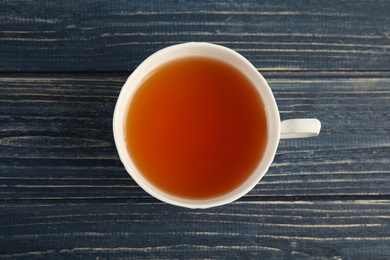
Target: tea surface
196	128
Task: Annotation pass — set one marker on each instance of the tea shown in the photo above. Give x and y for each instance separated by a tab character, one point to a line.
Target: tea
196	128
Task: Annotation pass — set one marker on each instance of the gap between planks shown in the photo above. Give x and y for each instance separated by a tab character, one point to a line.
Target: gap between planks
269	72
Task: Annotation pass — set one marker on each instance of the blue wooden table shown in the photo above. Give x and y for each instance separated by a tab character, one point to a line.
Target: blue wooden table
64	194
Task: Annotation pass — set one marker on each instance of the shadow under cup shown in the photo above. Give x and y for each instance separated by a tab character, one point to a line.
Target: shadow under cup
182	139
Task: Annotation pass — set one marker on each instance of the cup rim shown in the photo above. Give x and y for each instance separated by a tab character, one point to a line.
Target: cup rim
187	50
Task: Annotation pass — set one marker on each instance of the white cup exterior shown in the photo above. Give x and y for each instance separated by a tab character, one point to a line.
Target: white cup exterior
197	49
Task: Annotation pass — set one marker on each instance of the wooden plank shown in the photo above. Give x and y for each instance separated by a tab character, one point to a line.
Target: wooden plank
56	140
348	229
116	36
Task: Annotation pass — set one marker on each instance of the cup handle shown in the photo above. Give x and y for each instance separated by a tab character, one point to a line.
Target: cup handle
299	128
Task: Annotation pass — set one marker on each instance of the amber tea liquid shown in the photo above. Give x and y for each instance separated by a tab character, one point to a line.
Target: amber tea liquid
196	128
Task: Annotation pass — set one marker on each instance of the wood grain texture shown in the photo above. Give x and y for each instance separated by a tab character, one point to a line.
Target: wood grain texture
56	140
64	194
348	229
100	35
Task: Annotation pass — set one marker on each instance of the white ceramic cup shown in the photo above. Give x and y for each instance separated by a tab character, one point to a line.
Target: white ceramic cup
295	128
